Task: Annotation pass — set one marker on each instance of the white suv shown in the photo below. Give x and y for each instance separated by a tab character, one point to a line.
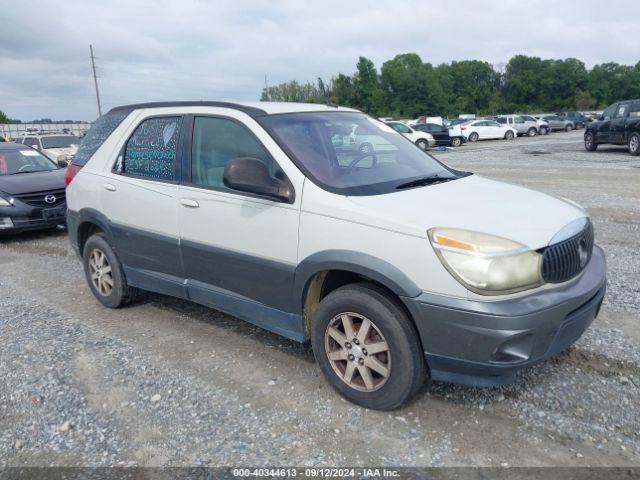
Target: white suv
393	265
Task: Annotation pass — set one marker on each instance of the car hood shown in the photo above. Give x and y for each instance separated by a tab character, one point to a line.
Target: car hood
32	182
473	203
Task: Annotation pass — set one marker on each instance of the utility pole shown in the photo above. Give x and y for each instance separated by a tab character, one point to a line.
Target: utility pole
95	79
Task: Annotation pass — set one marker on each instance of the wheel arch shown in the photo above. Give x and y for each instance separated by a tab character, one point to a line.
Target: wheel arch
321	273
85	223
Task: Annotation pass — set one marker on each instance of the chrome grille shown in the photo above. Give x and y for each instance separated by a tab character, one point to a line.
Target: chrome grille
564	260
37	199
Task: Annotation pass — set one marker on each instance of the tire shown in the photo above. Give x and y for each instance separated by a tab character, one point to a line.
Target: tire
403	359
634	144
456	142
544	131
568	128
532	132
422	144
590	142
98	252
509	135
474	137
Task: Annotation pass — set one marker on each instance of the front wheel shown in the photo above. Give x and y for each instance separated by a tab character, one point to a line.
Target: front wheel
568	128
422	144
456	142
532	132
590	142
367	347
474	137
634	144
509	135
544	131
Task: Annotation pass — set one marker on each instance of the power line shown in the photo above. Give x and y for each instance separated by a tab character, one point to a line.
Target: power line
95	79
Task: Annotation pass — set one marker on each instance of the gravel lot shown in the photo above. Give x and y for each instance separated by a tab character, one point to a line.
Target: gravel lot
166	382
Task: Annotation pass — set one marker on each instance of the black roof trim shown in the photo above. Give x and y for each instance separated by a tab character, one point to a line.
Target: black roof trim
251	111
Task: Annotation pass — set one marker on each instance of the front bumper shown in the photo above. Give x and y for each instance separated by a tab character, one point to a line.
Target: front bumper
484	343
23	218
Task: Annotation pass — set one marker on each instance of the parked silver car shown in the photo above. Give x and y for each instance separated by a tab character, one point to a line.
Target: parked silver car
542	125
557	123
523	126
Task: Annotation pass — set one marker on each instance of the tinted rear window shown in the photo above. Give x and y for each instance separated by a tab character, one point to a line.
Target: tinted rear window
97	134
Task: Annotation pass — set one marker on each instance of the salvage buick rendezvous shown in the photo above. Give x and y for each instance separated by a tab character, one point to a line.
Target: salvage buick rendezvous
393	265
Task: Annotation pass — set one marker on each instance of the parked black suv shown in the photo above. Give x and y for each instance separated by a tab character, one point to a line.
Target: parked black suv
441	134
618	125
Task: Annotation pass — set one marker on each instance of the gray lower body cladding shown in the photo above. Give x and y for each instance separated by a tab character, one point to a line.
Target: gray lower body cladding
485	343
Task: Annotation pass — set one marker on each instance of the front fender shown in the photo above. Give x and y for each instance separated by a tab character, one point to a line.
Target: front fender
360	263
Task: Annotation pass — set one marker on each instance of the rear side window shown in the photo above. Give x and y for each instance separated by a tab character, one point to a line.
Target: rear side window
216	141
97	134
502	120
152	149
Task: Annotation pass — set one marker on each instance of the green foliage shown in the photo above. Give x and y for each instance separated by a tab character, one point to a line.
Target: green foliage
3	117
407	87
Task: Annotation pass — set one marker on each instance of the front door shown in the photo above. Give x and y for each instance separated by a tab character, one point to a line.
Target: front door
239	250
618	123
604	126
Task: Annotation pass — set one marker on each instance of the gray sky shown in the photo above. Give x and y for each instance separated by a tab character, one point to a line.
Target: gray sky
221	50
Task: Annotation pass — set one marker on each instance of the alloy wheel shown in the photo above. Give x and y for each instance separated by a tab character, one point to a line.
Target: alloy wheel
634	143
357	351
100	271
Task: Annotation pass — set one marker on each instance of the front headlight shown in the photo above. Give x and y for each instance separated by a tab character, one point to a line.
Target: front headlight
4	202
486	264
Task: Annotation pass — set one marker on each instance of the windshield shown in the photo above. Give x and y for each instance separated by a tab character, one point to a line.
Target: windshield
61	141
23	161
351	153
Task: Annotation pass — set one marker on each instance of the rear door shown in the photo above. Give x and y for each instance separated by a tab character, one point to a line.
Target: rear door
139	197
618	123
439	132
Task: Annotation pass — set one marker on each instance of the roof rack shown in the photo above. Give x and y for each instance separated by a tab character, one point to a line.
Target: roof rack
251	111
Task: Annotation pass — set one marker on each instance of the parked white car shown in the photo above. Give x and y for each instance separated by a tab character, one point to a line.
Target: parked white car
56	147
487	129
393	265
423	140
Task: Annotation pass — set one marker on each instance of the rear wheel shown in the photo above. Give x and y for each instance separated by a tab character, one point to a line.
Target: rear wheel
568	128
367	347
590	142
634	144
509	135
105	274
474	137
456	142
544	131
532	132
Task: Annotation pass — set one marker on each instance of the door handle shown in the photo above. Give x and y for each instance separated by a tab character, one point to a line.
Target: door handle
110	187
187	202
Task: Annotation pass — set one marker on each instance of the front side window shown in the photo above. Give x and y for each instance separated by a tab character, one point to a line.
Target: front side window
216	141
609	111
351	153
518	119
400	128
152	149
24	160
634	111
32	142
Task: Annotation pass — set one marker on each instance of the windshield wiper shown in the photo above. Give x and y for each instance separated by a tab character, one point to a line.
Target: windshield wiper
420	182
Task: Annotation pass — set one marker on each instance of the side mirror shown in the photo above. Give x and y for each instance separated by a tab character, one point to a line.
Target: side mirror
63	163
250	175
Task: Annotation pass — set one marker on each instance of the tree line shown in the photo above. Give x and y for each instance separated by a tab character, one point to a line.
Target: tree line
407	87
